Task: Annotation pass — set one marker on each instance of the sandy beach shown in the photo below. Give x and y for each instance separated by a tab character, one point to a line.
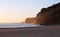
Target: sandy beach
30	32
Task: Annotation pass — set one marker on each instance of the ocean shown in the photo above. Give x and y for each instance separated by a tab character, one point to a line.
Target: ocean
16	25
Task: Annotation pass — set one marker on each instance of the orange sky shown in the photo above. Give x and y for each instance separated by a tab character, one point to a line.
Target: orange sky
11	20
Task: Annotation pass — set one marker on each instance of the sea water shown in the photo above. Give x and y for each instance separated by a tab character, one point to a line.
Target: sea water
14	25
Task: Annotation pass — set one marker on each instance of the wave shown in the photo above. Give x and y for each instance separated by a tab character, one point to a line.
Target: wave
14	25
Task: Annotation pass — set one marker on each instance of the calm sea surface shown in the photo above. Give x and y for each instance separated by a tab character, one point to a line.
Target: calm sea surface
13	25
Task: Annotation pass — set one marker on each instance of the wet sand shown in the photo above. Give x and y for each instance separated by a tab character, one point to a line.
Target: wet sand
30	32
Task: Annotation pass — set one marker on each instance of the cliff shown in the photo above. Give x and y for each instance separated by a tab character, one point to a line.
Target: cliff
49	15
30	20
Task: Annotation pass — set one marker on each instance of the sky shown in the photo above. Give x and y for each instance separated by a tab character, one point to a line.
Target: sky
15	11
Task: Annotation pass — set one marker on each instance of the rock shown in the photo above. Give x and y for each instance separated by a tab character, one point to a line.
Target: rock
49	15
30	20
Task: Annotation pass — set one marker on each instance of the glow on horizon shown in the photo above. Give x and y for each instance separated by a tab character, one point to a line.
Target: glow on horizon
18	10
11	20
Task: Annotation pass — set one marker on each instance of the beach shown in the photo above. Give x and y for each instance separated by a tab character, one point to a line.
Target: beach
30	32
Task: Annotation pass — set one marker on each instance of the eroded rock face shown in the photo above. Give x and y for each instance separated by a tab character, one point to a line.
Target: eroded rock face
30	20
49	16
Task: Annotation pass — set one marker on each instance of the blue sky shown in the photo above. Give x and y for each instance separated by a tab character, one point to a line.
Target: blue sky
18	10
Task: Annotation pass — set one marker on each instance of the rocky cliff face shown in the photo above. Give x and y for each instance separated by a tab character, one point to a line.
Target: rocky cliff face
30	20
49	15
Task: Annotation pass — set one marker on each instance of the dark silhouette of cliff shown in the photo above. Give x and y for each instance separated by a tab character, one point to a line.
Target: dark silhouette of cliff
49	15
